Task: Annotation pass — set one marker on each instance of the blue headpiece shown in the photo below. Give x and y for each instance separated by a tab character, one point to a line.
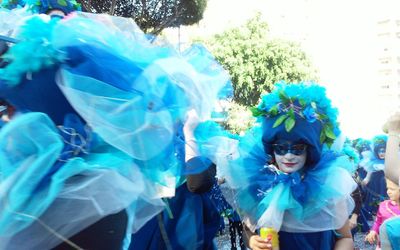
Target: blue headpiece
12	4
298	112
351	153
362	145
44	6
379	142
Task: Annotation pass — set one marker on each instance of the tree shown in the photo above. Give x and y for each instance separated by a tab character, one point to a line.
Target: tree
239	119
255	61
152	16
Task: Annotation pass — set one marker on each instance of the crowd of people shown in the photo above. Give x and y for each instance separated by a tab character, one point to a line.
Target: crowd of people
107	142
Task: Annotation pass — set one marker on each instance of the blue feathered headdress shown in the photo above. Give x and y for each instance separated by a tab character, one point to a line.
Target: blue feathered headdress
12	4
362	145
298	112
44	6
351	153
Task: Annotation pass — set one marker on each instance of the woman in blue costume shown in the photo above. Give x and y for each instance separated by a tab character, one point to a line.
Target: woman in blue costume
374	183
305	194
79	166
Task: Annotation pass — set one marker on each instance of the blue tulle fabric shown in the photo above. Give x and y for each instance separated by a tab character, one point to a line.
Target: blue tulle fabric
58	180
103	125
370	162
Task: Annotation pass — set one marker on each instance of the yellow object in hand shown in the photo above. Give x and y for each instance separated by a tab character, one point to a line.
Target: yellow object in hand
270	234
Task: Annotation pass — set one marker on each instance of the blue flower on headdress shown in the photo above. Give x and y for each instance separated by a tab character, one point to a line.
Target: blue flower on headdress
310	114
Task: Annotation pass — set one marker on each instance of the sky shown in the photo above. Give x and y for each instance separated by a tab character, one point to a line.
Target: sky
338	36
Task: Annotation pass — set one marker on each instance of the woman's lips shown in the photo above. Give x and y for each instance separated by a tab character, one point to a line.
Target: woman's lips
289	164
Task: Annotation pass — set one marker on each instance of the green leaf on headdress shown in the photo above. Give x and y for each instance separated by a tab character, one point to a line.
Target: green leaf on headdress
329	133
62	2
280	120
283	96
322	137
289	124
257	112
273	111
322	117
302	102
291	113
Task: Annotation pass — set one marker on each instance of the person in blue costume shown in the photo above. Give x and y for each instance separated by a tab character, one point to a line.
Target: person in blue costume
191	219
99	140
226	211
353	160
374	183
361	145
286	177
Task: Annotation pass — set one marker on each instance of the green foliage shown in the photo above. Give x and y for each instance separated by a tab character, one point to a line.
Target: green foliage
239	119
255	61
152	16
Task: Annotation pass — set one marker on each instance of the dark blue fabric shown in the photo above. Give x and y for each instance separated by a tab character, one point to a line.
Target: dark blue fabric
307	241
303	131
77	142
195	219
40	94
374	193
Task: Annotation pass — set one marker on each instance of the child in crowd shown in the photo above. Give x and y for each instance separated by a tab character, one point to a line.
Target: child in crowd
386	210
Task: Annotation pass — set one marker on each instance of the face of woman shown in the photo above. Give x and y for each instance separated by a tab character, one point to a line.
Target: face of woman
381	153
290	156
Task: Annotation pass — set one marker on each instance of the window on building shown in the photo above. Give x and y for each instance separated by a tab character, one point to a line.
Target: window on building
383	22
385	60
385	72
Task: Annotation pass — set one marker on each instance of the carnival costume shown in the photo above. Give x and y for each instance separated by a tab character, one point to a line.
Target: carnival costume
375	189
101	124
306	206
